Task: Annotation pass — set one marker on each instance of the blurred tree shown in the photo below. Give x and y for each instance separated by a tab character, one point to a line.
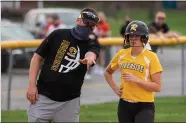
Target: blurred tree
152	9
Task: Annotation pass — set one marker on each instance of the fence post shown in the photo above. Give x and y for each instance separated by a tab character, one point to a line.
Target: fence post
10	79
183	70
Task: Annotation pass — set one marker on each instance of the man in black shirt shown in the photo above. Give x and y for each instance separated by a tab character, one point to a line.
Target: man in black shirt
123	28
158	27
67	54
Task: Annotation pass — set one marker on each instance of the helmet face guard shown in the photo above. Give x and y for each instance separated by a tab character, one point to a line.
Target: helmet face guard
136	28
143	39
89	18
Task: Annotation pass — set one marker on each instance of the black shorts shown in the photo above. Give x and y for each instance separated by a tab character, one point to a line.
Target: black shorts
142	112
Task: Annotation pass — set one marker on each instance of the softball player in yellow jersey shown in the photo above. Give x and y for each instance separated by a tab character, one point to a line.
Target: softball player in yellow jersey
140	76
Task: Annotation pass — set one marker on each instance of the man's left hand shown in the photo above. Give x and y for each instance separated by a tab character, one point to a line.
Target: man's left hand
89	59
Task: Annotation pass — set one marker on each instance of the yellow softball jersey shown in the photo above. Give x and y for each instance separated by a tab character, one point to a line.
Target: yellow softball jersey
142	66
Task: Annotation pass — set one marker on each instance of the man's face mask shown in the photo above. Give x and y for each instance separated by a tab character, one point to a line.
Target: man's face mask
83	32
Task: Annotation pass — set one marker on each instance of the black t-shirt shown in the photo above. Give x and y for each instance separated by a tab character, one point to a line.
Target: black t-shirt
153	28
62	74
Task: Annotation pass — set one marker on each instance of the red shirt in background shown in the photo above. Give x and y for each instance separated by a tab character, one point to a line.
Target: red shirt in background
48	25
103	29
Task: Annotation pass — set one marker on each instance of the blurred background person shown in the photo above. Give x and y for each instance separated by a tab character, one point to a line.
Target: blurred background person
103	28
159	29
39	31
55	24
123	27
93	37
42	27
48	22
102	31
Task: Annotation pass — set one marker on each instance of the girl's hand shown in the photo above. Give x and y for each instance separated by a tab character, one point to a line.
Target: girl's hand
117	90
129	77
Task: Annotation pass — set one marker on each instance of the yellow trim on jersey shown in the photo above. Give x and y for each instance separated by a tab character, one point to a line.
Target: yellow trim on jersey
142	66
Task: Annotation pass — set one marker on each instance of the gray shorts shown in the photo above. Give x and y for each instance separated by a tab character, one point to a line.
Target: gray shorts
47	110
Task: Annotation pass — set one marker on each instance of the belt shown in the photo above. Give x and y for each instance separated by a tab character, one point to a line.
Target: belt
131	101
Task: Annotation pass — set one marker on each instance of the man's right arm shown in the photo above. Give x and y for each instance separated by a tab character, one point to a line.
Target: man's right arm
32	92
34	69
38	57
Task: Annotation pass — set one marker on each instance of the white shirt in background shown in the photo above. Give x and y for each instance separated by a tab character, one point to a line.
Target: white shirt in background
52	28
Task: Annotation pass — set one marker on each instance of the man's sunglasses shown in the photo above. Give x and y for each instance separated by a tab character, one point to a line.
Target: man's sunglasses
161	18
89	16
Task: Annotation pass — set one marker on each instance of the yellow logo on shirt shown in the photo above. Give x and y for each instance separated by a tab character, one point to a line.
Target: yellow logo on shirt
60	54
72	51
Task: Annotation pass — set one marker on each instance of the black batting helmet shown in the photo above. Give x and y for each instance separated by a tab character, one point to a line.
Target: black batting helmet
137	28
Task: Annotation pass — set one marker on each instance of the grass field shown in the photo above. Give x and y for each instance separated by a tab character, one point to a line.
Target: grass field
168	109
175	20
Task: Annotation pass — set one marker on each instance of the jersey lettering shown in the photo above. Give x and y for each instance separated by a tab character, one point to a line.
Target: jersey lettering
132	66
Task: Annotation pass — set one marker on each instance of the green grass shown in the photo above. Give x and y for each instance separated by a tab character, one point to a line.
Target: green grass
175	20
168	109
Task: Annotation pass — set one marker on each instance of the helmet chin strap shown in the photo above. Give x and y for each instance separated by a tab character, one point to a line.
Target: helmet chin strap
136	46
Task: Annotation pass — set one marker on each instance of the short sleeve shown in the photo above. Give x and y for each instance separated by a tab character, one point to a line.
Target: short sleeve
155	65
44	47
114	62
94	45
